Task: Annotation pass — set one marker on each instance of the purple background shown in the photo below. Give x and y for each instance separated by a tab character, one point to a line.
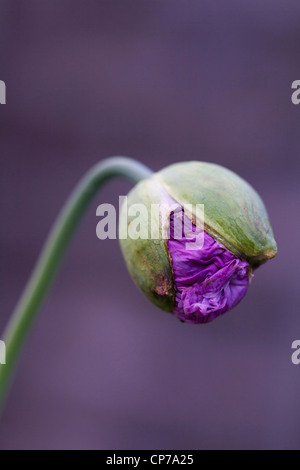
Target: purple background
161	81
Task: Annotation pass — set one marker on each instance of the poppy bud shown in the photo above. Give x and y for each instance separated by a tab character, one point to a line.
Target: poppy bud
197	285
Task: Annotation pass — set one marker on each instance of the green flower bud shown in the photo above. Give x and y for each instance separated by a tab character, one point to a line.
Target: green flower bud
234	217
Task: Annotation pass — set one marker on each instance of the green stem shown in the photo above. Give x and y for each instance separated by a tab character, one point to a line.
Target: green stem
52	252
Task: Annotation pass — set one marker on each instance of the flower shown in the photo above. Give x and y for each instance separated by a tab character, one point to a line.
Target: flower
209	281
196	285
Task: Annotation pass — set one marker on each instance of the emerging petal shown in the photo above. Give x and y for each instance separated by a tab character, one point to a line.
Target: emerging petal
209	281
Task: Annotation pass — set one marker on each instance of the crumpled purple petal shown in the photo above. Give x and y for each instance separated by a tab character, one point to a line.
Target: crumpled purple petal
209	281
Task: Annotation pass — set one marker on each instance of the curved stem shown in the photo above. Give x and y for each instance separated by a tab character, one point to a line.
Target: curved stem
53	250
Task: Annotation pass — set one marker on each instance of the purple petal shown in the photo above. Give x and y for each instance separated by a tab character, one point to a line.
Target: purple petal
209	281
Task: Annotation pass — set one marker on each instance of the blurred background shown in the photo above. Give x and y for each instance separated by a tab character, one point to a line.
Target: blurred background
160	81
